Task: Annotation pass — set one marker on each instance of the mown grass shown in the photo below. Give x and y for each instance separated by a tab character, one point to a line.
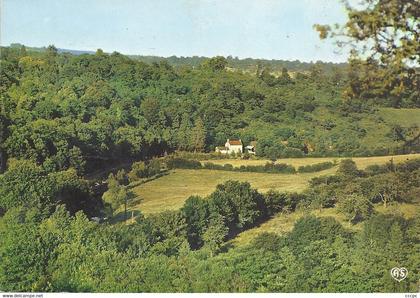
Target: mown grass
403	117
170	191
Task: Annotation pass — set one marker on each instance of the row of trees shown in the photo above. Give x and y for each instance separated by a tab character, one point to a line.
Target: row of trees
355	192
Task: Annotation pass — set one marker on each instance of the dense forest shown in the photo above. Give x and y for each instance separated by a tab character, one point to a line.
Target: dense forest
63	110
69	119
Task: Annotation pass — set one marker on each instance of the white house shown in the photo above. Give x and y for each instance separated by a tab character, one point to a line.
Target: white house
231	146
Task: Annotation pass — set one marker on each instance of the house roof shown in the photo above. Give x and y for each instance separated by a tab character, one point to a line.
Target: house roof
235	142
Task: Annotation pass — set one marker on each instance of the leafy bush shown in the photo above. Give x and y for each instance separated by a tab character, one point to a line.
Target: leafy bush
348	168
138	170
269	167
267	241
182	163
212	166
143	169
316	167
356	208
327	179
372	170
274	202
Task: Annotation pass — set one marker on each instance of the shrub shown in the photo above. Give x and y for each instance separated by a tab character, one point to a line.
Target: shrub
409	166
356	208
153	167
267	241
316	167
292	152
279	168
324	180
310	228
182	163
138	170
274	202
227	167
267	168
141	169
348	168
372	170
212	166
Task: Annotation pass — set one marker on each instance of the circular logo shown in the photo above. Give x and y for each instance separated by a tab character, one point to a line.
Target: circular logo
399	273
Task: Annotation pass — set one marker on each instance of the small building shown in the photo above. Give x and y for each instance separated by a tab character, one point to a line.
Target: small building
222	150
231	146
251	147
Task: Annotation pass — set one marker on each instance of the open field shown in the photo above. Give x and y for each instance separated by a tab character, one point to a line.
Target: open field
362	162
170	191
283	223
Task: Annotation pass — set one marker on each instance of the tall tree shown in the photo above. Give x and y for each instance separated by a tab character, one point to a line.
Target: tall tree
198	136
384	37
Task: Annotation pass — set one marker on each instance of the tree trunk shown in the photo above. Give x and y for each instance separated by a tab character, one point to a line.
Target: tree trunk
3	160
125	209
383	198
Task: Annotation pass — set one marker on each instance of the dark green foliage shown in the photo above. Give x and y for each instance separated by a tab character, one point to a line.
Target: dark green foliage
275	202
318	255
356	208
316	167
181	163
62	110
215	235
143	169
320	196
268	241
311	228
196	214
237	204
348	168
26	184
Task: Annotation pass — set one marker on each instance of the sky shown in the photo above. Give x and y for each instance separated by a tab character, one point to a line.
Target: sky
270	29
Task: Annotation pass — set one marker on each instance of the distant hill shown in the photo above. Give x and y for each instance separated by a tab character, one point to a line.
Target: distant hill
42	49
248	64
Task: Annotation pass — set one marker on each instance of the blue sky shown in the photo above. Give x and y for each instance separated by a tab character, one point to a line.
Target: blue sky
272	29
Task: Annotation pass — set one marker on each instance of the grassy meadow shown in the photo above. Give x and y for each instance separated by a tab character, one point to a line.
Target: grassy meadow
283	223
170	191
403	117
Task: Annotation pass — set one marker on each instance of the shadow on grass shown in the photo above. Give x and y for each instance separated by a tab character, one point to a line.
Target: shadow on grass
226	247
